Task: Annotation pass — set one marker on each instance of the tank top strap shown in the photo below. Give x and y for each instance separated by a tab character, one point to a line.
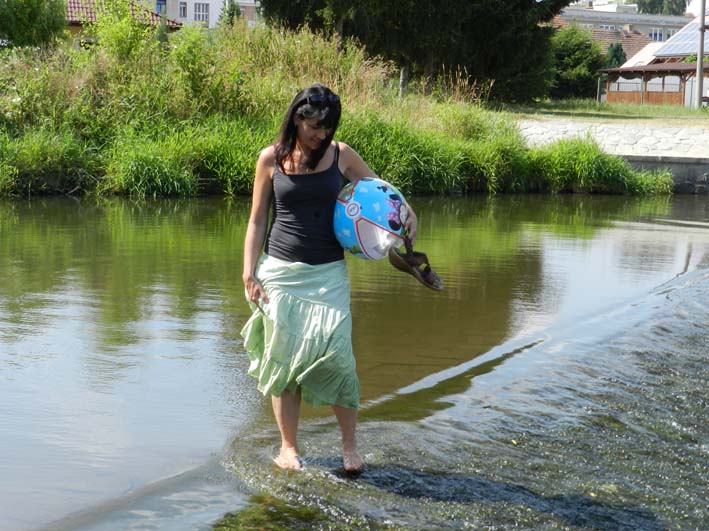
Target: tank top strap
337	153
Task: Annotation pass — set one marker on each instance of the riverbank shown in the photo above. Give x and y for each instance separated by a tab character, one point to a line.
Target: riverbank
647	144
141	117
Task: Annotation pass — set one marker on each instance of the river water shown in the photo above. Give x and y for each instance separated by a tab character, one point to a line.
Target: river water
559	381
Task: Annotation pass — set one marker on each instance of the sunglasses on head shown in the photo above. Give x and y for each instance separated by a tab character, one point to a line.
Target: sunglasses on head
318	100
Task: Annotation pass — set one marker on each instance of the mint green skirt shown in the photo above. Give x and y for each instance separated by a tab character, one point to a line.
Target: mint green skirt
303	338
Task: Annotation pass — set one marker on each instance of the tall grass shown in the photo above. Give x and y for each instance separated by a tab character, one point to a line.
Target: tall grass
137	116
44	161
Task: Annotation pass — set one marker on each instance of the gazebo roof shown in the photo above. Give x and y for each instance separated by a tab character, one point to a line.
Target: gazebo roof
657	68
683	70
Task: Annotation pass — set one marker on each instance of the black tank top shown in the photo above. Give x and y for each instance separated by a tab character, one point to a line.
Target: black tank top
303	208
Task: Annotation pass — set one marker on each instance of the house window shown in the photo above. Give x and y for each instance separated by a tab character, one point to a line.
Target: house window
183	9
670	32
656	34
201	12
160	6
607	27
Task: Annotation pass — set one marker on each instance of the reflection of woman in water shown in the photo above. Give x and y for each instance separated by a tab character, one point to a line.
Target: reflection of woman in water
299	338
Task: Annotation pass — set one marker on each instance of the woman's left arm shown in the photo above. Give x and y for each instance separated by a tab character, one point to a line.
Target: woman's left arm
354	168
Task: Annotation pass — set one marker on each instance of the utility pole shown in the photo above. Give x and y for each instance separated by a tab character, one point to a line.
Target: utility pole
700	54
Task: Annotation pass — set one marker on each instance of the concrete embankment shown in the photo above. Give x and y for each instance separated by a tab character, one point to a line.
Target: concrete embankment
683	150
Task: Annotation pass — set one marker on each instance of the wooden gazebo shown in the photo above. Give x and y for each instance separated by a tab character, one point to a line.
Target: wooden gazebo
660	94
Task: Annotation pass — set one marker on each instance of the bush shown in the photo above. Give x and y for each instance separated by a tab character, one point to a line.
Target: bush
577	60
32	22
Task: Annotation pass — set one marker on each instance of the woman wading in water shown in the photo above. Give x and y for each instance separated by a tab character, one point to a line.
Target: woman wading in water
299	338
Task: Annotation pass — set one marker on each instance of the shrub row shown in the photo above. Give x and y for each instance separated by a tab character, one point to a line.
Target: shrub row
219	157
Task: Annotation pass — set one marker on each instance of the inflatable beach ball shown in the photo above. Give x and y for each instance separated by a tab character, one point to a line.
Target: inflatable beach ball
369	218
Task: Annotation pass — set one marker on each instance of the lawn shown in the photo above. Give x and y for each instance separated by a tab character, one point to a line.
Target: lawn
591	110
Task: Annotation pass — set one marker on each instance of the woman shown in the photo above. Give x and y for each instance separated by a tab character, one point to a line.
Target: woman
299	337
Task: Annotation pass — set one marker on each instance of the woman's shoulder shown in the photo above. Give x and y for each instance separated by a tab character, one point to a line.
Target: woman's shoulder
345	150
266	162
341	145
267	155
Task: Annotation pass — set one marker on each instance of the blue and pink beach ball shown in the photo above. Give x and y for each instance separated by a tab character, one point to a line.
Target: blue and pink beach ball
369	218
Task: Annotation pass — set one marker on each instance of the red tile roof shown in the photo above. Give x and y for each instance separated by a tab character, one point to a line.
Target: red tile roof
558	22
79	12
631	41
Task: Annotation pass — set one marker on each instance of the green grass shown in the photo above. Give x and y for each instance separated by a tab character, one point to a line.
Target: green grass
44	161
135	116
590	109
578	165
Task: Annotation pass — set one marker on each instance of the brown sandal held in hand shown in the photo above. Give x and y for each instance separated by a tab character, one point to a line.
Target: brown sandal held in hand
411	263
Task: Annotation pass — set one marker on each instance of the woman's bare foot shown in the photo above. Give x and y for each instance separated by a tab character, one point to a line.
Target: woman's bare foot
352	462
288	459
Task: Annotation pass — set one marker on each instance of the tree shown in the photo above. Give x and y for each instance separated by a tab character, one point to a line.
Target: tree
418	36
293	13
502	41
508	42
230	13
674	7
650	7
32	22
328	16
577	59
615	56
505	41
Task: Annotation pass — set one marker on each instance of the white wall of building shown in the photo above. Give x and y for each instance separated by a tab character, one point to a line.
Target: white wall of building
205	11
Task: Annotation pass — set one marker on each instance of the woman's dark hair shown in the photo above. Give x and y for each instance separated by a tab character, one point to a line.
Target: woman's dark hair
315	101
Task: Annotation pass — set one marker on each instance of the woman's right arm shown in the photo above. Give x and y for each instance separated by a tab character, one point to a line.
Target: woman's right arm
258	223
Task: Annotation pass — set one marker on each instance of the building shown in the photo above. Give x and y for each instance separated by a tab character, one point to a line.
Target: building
205	12
659	74
630	40
79	12
657	27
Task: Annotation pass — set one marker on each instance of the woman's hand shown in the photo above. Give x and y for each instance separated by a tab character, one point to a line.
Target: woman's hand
411	224
254	289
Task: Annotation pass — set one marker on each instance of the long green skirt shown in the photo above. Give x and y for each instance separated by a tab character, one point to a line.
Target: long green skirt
303	337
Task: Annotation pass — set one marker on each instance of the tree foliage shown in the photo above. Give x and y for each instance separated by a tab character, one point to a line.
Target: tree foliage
577	60
649	7
230	13
505	41
32	22
615	56
662	7
674	7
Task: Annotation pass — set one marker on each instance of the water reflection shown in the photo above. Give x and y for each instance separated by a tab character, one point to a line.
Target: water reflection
119	321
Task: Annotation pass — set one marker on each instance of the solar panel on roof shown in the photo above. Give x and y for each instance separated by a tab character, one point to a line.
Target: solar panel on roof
684	42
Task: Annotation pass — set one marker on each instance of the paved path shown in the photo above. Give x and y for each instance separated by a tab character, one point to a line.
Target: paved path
623	138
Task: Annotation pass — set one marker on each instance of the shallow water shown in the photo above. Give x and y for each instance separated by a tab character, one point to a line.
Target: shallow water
558	381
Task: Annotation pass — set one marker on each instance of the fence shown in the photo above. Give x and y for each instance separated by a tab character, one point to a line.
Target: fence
657	91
